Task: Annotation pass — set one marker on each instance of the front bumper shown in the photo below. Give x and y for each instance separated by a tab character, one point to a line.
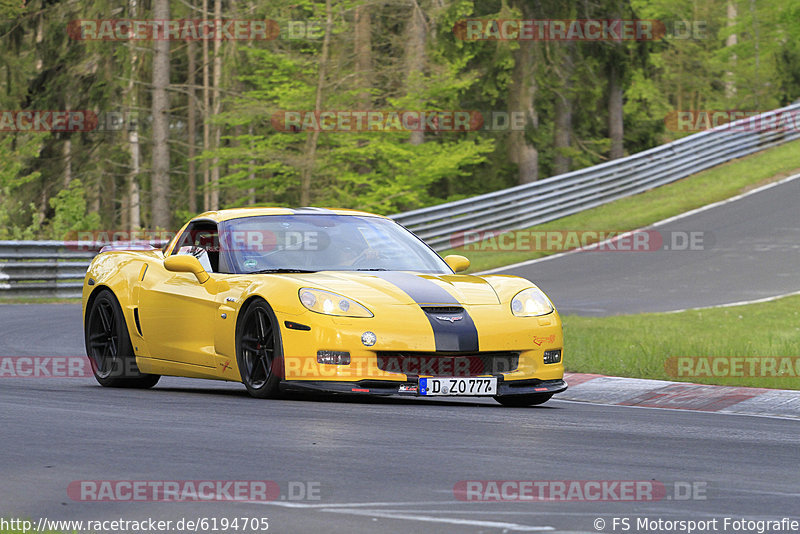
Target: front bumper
510	348
411	387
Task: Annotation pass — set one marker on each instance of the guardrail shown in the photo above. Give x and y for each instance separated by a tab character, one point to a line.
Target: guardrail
52	269
42	269
523	206
56	269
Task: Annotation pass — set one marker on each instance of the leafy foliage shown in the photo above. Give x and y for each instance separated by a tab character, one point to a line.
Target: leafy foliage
52	182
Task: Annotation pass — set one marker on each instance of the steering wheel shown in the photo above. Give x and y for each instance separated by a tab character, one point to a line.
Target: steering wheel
368	254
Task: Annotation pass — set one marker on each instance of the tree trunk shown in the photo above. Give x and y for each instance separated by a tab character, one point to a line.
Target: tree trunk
67	152
160	180
216	108
206	118
562	137
756	77
362	48
730	85
311	141
134	216
521	96
615	128
251	191
191	127
415	59
362	44
131	216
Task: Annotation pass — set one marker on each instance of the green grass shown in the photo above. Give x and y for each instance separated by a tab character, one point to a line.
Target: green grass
639	346
712	185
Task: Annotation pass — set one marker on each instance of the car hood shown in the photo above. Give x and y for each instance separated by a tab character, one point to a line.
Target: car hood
400	287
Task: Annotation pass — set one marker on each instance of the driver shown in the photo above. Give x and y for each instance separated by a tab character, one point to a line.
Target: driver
351	255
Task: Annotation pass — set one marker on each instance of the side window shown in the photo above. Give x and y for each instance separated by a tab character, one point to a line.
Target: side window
201	239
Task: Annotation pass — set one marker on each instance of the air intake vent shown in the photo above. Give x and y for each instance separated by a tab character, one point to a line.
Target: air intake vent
443	309
136	320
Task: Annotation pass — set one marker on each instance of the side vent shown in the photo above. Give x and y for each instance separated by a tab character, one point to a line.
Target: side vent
136	319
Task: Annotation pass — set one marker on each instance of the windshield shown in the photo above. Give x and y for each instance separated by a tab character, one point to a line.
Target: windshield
274	243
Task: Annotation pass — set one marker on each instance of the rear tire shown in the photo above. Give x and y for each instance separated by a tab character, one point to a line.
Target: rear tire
108	346
519	401
258	348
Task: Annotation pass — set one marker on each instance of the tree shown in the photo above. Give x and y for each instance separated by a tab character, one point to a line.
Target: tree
583	101
521	98
160	188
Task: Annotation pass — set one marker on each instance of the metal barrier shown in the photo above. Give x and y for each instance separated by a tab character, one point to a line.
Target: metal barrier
56	269
52	269
42	269
444	225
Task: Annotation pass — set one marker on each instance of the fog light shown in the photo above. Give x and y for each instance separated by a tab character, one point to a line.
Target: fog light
552	356
368	339
332	357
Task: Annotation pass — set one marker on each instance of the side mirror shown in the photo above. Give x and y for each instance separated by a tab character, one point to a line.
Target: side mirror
457	263
185	263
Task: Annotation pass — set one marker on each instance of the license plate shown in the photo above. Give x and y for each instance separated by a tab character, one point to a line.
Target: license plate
458	386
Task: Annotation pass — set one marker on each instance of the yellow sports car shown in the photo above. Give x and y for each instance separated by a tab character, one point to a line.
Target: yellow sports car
328	300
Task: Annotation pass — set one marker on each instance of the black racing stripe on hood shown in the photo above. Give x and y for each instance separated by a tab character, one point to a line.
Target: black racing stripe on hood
450	333
454	335
422	291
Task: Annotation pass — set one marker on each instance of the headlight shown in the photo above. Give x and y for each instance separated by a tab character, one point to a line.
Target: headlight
530	302
329	303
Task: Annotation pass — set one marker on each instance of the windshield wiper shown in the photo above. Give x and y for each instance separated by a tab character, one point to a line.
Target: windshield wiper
375	269
281	270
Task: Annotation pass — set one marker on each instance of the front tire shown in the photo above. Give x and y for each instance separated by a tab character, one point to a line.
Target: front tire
258	348
108	346
519	401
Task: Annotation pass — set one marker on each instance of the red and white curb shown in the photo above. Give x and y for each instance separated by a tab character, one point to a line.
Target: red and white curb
619	391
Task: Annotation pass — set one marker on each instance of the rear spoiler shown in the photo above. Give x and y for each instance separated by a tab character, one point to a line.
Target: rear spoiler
125	245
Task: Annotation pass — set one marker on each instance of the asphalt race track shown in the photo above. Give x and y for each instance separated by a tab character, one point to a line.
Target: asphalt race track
373	465
745	250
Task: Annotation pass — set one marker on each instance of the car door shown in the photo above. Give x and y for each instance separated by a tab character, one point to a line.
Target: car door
177	312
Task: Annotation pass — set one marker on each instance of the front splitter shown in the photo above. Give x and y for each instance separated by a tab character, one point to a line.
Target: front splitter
530	386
